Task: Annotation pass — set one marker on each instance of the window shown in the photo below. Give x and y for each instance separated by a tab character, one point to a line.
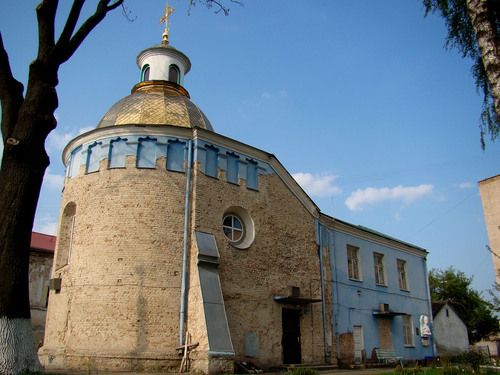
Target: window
146	153
408	331
174	74
175	155
145	73
232	168
93	157
233	228
238	227
65	237
378	261
353	262
403	283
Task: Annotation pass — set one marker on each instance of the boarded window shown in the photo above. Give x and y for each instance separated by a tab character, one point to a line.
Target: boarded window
117	153
175	155
232	167
252	176
146	153
212	161
93	157
65	237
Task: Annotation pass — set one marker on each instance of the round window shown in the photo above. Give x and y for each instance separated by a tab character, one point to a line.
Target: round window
233	228
238	227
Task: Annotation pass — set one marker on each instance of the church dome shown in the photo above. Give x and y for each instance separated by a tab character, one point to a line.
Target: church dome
156	102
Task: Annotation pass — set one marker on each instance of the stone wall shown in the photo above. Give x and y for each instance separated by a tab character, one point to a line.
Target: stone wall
490	196
283	254
118	307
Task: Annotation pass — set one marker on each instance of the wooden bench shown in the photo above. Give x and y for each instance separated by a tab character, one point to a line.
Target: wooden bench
387	356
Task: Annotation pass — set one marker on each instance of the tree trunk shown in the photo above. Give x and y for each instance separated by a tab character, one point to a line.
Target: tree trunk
482	20
21	174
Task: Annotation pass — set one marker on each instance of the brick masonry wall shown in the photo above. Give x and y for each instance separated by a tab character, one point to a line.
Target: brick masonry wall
121	289
283	254
490	196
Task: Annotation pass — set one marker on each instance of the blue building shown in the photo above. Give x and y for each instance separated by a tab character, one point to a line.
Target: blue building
380	293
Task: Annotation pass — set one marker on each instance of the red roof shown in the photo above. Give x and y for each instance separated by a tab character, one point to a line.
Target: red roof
43	242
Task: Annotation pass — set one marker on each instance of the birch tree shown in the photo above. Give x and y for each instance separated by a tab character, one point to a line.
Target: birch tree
474	28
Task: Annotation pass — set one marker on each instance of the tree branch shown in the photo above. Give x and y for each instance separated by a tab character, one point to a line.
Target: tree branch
70	25
67	49
46	15
11	93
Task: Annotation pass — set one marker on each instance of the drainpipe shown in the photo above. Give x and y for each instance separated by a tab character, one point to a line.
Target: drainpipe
336	310
429	307
184	282
322	279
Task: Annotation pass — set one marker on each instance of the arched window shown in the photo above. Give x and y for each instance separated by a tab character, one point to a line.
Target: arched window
65	237
174	74
145	73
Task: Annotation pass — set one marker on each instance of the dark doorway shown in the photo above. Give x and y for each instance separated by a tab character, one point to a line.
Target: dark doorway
291	336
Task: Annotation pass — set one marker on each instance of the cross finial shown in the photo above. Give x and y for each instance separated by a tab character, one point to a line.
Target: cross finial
168	12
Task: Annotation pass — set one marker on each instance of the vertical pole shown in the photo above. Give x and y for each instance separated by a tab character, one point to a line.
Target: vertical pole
184	281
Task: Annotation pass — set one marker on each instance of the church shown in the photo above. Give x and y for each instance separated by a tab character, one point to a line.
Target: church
177	242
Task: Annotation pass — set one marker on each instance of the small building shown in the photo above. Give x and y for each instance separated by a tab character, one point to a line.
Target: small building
450	332
40	268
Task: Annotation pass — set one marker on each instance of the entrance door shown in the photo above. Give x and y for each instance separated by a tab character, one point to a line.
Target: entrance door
359	343
291	336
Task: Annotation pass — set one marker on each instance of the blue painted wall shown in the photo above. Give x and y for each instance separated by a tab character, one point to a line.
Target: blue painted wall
354	302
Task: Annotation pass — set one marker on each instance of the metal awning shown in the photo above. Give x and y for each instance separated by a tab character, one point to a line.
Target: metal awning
387	314
296	300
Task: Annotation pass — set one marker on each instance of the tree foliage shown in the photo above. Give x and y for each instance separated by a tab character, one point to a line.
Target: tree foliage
466	34
455	287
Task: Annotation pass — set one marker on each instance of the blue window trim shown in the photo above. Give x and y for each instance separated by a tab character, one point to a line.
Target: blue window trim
208	150
234	157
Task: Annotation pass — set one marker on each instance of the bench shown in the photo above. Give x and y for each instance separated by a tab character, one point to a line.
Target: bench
387	356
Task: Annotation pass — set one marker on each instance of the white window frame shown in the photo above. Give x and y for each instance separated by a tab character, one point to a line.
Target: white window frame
353	263
379	269
233	228
402	274
407	327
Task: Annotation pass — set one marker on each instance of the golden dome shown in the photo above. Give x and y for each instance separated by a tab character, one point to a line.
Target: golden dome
156	103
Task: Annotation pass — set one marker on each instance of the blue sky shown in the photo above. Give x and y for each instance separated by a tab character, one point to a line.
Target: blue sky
357	98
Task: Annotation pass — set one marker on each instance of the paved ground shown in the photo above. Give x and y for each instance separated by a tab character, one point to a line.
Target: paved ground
371	371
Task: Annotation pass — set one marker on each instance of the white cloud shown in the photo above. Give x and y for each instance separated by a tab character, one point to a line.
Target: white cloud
466	185
53	181
48	228
56	141
317	185
407	194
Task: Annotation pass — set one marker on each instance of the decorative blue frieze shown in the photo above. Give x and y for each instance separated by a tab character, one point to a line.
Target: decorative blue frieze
239	168
146	153
176	151
93	157
236	166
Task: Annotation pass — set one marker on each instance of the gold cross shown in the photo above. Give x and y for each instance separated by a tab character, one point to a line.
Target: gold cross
168	12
